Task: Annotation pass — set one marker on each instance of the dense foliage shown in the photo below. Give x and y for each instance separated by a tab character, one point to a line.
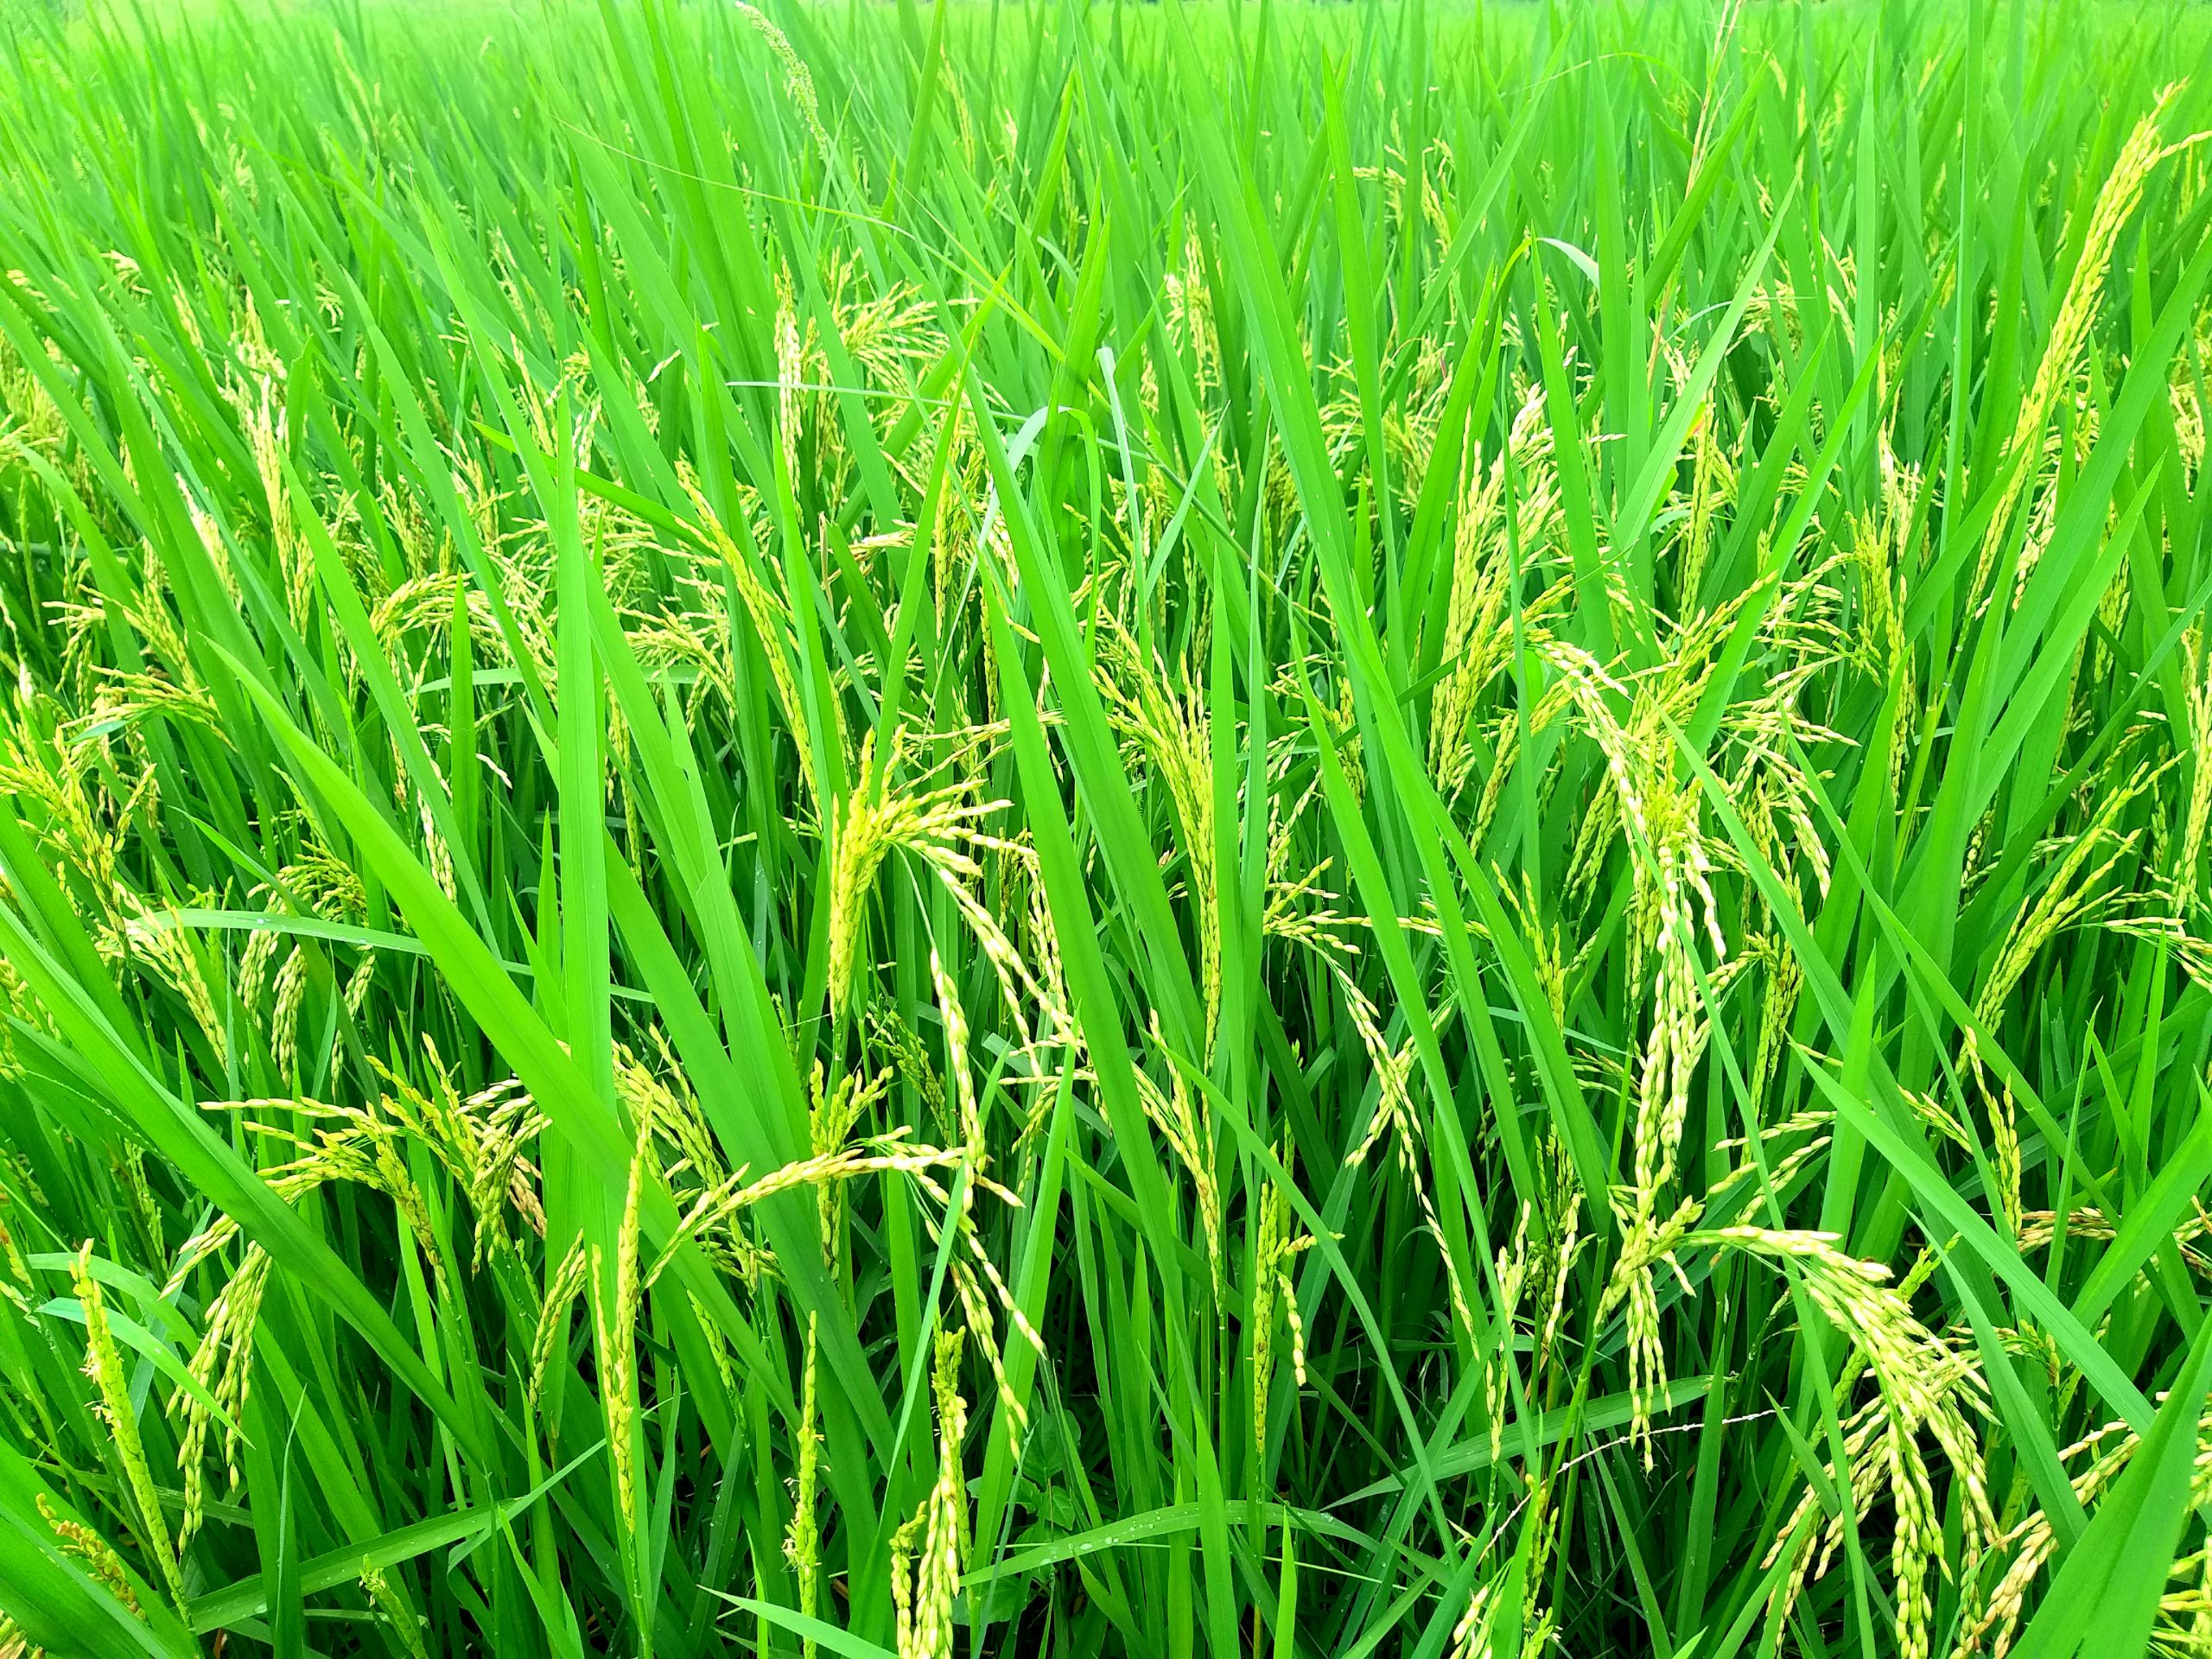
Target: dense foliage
1316	830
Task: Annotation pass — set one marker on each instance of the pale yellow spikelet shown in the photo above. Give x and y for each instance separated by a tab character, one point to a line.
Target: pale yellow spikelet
262	949
1395	1113
284	1017
398	1616
79	619
1545	942
55	774
890	1034
259	406
128	1164
1648	1245
2197	817
2070	330
99	1557
1564	1250
717	1344
937	824
1925	1385
34	420
104	1364
158	942
858	845
923	1599
1879	552
1511	1267
368	1149
833	1110
770	620
802	1543
615	1309
1778	1175
347	1153
2071	895
790	372
18	1272
1276	1245
419	614
1478	627
975	1306
1187	1127
709	1221
157	624
1190	308
1713	484
955	1053
1785	982
2039	1228
1392	1067
658	1095
1672	902
902	1585
799	80
887	332
1470	1636
696	639
562	1288
2103	1455
221	1363
1166	717
2005	1142
212	540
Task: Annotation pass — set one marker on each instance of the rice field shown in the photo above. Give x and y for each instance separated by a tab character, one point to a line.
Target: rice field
1161	830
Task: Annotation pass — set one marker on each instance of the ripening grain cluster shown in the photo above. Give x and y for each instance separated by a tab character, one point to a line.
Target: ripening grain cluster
1075	829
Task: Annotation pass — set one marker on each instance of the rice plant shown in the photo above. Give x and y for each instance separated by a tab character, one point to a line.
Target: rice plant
1090	828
